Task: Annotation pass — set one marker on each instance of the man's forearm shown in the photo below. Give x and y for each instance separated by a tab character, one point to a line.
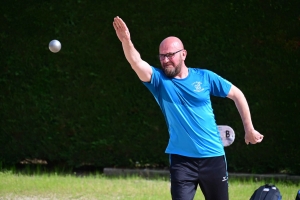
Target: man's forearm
243	108
251	135
131	54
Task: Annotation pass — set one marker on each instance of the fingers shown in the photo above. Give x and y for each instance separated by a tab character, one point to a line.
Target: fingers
118	23
254	140
259	139
115	26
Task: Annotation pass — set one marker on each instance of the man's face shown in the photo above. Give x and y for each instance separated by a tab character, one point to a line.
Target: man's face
171	62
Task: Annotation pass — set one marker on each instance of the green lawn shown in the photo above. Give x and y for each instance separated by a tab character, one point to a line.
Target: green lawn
53	186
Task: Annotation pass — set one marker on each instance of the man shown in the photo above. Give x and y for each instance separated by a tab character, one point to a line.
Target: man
196	152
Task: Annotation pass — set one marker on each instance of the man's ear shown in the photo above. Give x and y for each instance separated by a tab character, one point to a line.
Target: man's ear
184	54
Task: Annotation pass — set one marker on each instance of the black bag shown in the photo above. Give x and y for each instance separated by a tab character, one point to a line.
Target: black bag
266	192
298	196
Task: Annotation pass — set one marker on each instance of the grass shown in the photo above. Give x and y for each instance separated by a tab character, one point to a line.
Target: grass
97	186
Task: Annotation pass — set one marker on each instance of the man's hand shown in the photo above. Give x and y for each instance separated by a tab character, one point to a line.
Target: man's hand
121	29
253	137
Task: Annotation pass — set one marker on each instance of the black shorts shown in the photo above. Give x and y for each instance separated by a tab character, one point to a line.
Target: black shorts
209	173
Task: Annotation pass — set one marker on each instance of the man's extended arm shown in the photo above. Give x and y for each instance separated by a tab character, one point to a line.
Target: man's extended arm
251	135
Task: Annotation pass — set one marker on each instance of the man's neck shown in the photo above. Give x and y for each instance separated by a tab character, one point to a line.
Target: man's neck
183	74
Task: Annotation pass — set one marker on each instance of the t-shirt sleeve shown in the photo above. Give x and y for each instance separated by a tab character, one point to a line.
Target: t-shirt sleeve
154	82
219	86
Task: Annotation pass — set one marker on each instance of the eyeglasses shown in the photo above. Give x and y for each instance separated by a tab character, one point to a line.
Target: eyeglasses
168	55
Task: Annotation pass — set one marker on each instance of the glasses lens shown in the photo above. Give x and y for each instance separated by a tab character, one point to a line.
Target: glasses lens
168	55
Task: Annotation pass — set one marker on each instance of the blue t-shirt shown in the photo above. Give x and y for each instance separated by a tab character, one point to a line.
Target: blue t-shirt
186	106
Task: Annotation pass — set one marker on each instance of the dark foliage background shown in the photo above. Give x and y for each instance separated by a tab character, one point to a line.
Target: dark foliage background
84	105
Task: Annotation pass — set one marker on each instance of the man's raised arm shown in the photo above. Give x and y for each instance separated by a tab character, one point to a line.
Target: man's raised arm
142	68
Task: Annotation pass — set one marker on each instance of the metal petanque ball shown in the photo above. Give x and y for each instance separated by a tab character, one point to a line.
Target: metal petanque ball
54	46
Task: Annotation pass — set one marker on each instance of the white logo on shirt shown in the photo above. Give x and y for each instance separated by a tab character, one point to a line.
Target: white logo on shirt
197	86
225	178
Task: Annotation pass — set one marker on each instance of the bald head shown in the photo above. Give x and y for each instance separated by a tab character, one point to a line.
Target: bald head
170	44
172	56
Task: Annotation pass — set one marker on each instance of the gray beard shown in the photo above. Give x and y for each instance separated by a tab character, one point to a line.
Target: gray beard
173	72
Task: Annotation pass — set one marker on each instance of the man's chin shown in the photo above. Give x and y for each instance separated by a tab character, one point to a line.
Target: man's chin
168	67
168	72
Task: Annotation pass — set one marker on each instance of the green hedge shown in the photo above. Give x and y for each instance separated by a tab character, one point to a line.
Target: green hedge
84	105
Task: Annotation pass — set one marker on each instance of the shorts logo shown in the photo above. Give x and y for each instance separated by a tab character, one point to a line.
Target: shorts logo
225	178
197	86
